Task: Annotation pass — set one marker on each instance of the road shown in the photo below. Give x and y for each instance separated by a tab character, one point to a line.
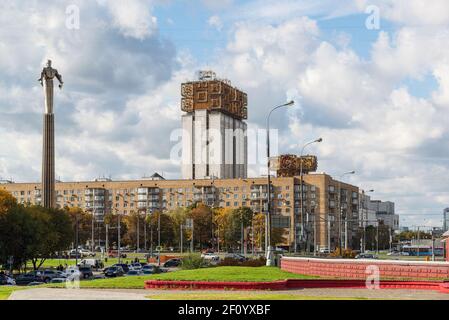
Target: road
140	294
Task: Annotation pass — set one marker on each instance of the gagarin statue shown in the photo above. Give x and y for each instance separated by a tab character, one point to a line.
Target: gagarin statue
46	80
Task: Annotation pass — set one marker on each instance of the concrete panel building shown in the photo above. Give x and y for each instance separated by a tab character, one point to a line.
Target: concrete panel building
385	212
446	220
147	196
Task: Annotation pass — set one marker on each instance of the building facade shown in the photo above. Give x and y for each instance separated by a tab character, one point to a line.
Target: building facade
446	220
328	218
214	141
367	215
385	212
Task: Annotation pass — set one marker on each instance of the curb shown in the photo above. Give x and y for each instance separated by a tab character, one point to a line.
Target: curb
295	284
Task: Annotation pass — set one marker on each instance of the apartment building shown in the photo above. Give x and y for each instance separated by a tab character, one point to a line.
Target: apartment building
385	212
324	211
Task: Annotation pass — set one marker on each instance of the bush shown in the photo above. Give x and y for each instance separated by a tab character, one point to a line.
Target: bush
231	262
193	261
344	253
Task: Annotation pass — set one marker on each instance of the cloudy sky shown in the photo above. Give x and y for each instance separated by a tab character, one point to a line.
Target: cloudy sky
379	97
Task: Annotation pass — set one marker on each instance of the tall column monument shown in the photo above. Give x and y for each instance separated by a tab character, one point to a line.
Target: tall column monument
48	151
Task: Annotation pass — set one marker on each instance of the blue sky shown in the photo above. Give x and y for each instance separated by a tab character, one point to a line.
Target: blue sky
379	98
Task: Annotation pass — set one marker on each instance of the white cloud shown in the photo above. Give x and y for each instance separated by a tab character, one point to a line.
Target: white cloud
122	95
215	21
132	17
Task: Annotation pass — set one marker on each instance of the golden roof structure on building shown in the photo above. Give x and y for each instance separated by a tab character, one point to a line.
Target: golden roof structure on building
211	93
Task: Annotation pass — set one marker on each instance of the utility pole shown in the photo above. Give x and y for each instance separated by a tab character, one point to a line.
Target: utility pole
181	245
76	239
145	231
106	249
138	233
377	238
118	240
346	234
191	242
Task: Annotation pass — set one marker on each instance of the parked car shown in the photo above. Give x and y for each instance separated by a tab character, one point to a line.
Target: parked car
30	277
82	253
210	256
150	269
324	251
6	280
115	271
124	266
48	275
134	273
366	256
176	262
236	256
86	272
72	272
136	266
93	263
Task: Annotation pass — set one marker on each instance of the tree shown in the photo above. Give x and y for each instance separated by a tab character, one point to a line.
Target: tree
84	224
178	218
278	236
242	219
166	225
259	230
53	232
7	201
224	229
202	224
112	221
33	233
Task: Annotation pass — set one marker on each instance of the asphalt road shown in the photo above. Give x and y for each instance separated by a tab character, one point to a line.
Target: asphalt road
140	294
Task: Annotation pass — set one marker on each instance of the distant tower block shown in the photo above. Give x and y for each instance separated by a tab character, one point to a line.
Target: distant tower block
214	142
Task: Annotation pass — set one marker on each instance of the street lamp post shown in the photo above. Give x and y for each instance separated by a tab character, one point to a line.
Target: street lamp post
341	212
268	248
301	173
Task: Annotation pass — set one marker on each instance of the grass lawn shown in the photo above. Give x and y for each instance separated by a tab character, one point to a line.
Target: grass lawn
5	291
206	274
243	296
232	274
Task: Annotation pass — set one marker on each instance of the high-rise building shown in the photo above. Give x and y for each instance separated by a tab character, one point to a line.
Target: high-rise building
446	220
385	212
214	142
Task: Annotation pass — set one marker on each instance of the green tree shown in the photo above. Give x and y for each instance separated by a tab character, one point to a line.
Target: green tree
178	218
33	233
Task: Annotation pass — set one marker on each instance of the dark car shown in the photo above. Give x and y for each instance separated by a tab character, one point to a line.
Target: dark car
30	277
236	256
48	275
124	266
134	273
366	256
114	271
172	263
86	272
150	269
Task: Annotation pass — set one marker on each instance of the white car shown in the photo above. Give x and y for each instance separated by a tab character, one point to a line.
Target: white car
7	280
210	256
72	272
